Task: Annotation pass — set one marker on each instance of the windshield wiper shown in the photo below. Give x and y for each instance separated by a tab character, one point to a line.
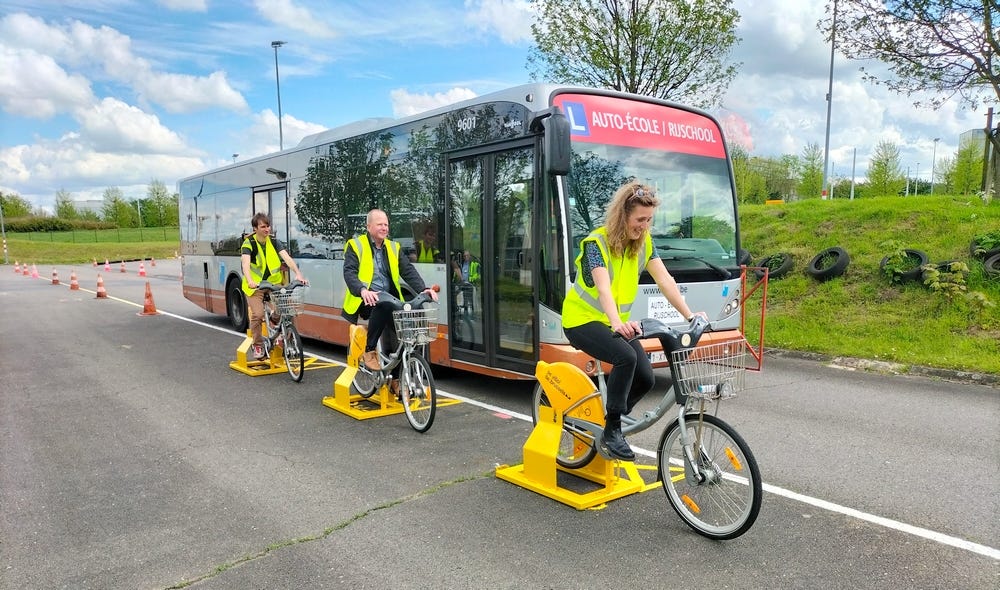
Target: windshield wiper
724	273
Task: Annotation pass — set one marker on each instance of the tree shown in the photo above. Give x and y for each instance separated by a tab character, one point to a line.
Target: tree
751	187
159	208
65	207
810	172
117	210
966	172
943	47
885	178
670	49
14	205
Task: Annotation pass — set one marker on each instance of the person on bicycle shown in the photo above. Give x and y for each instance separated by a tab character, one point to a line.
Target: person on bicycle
374	263
597	306
261	257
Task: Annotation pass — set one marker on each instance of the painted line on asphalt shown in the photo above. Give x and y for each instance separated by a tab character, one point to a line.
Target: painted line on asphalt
889	523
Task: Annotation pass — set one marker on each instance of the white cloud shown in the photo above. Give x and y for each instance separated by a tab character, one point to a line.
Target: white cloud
296	18
405	103
113	126
509	19
185	5
34	85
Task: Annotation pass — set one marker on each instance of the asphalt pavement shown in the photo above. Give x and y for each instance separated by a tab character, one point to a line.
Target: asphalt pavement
132	456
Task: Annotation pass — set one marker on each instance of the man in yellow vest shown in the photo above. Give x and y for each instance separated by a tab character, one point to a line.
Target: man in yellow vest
374	263
261	257
426	247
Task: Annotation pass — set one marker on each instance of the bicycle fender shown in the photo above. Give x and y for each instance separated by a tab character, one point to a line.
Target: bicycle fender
564	384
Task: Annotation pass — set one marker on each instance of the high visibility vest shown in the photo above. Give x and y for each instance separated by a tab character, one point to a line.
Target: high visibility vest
366	267
265	254
426	253
582	305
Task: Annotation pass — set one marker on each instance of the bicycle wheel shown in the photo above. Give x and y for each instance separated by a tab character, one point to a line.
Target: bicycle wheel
294	355
576	448
419	393
725	504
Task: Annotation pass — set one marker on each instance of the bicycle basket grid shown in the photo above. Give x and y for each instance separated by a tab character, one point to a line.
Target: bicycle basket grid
289	302
715	371
416	326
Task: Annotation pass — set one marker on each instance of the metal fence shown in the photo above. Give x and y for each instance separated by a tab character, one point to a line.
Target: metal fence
128	234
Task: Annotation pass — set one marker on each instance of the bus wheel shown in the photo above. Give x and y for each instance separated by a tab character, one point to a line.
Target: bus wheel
236	305
828	264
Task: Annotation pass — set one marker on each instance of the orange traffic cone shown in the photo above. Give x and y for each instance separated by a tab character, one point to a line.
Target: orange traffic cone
123	266
55	277
74	285
101	292
148	307
17	267
142	269
34	271
95	263
107	265
25	270
152	261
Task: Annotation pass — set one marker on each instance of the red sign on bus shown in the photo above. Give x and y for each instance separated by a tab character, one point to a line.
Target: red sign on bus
617	121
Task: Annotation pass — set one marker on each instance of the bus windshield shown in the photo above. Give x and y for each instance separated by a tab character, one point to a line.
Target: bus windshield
678	152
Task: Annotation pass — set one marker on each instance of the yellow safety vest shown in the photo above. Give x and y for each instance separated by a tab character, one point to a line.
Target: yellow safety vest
270	256
582	305
366	267
426	253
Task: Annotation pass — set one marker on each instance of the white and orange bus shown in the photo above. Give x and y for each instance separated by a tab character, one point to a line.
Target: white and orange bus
511	181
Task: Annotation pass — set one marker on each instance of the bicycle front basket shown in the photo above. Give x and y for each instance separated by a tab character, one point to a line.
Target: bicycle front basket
416	326
712	372
289	302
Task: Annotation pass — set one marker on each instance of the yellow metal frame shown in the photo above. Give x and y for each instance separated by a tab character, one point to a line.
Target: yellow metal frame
245	364
381	403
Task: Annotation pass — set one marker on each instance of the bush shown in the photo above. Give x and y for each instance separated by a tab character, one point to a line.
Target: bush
50	224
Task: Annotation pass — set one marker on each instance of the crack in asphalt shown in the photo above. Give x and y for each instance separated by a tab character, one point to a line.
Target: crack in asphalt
224	567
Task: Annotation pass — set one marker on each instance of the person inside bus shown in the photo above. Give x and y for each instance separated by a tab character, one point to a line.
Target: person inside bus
261	257
466	275
596	308
374	263
426	246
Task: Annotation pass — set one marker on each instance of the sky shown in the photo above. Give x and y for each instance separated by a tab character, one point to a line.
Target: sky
102	93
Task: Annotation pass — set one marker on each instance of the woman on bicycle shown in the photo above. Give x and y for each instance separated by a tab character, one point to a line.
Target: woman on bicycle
598	304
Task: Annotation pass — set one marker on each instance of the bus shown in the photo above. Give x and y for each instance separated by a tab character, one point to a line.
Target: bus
507	183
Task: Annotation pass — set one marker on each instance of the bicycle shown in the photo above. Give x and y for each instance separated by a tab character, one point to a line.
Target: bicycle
462	329
286	302
709	474
415	327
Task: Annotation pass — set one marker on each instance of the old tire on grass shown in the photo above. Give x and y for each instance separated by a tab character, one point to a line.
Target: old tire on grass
829	264
779	265
992	266
914	272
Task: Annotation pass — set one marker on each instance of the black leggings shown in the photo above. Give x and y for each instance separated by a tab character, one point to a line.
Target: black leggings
631	376
379	318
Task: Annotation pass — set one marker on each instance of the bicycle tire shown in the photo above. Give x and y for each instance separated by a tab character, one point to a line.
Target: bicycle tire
725	505
364	382
419	393
576	449
295	360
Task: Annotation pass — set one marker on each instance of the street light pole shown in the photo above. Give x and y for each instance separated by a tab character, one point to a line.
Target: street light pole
934	162
277	83
829	94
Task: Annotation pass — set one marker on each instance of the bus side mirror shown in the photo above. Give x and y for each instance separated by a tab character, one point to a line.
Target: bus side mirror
555	144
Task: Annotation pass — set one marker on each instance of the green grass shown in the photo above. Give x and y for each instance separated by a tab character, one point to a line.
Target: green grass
862	314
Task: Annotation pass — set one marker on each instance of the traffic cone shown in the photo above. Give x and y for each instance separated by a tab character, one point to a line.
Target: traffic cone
34	271
25	270
148	307
107	265
123	266
152	261
17	267
55	277
74	285
101	292
95	263
142	269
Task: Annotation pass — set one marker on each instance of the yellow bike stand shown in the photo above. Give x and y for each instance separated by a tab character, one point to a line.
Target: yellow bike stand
539	472
245	363
380	403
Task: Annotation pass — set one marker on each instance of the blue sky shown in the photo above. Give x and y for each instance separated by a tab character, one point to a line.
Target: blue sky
100	93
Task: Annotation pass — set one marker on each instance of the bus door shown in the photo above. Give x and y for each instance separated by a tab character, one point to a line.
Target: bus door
491	306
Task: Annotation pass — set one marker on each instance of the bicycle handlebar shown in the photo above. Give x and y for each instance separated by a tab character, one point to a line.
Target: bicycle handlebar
269	286
671	338
415	303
